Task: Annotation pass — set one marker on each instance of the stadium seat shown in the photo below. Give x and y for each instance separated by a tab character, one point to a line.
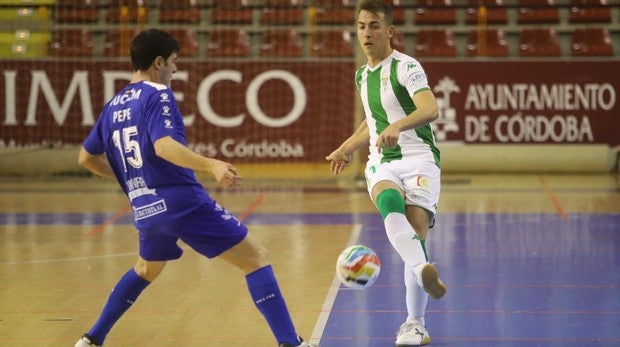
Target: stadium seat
334	12
117	41
398	41
25	17
435	43
282	12
228	43
179	11
23	44
71	43
231	12
539	42
495	13
430	12
188	41
487	43
333	43
398	12
76	11
593	42
281	43
127	11
588	11
537	11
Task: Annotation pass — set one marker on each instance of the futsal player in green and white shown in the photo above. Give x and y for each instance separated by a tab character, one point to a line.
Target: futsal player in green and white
403	168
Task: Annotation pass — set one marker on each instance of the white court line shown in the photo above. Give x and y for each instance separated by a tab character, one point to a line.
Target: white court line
103	256
71	259
321	321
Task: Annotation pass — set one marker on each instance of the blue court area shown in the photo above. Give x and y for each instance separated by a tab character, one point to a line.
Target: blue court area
513	279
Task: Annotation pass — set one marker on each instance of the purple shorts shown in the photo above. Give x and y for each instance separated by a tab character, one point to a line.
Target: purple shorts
210	230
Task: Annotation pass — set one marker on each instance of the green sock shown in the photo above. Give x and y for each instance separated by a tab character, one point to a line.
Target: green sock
389	201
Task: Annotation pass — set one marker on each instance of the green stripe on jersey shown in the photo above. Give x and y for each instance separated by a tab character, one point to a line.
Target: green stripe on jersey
400	91
406	102
358	78
373	90
426	134
373	87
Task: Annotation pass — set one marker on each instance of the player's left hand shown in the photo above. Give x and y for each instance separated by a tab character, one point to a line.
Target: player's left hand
388	138
226	174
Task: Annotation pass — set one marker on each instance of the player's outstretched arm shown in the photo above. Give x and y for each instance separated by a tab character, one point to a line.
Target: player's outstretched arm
97	164
175	152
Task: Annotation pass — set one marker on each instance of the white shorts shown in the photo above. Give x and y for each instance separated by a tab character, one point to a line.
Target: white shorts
420	181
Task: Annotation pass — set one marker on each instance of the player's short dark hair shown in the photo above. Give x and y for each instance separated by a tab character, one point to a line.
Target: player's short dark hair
150	44
375	7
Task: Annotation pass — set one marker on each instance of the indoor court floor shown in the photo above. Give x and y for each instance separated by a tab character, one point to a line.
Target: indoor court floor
529	260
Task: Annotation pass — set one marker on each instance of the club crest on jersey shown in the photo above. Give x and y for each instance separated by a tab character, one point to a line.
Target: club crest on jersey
384	81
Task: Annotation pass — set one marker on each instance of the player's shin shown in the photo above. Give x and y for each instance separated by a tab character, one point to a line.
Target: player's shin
120	300
401	234
268	299
416	297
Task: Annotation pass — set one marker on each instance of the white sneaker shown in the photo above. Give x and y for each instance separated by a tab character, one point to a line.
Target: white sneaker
84	341
412	333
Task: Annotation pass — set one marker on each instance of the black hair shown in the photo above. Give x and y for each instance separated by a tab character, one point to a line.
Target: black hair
375	7
150	44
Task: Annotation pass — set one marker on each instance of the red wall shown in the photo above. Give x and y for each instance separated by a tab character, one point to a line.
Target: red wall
299	111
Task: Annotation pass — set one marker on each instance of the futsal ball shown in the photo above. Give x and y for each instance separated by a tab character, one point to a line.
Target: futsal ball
358	267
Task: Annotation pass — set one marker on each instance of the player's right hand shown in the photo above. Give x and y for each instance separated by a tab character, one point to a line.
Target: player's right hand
338	162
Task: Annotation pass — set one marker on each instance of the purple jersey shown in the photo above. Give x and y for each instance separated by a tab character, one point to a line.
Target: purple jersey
125	131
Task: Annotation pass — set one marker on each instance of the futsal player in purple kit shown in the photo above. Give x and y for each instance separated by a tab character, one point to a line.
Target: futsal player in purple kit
139	139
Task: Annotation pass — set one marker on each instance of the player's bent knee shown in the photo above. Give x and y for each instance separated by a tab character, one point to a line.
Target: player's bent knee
257	258
248	255
390	200
149	270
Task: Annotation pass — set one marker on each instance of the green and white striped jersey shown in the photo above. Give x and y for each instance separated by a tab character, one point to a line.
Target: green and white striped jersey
386	92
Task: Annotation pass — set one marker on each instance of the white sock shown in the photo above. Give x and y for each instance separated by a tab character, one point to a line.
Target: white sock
415	296
402	237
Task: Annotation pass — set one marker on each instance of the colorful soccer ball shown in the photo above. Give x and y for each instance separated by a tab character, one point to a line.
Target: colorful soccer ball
358	267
